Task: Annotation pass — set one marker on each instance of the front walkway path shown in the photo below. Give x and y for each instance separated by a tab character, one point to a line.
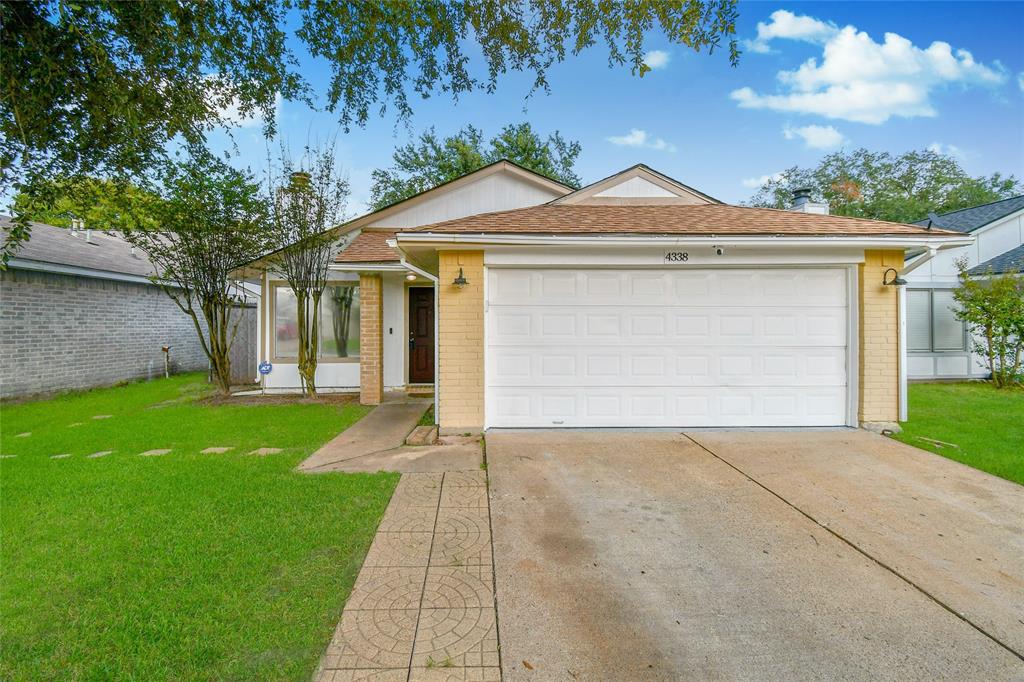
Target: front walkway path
422	608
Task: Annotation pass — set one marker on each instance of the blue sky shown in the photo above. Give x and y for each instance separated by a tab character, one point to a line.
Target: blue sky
951	76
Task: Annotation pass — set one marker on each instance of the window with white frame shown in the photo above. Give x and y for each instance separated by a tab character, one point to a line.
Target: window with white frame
338	321
932	325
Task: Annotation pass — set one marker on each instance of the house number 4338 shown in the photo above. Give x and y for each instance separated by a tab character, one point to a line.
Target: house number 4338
676	256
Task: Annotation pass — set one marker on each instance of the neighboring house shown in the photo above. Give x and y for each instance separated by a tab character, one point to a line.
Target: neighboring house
636	301
77	310
937	342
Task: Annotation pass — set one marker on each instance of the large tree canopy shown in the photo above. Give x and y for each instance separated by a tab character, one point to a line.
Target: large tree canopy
902	188
101	87
430	161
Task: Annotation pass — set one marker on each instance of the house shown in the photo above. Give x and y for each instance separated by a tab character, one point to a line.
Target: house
937	342
636	301
78	310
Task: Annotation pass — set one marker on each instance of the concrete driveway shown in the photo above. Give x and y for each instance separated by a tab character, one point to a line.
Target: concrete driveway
751	555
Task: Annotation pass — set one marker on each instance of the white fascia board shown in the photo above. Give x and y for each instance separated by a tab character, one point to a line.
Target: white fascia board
681	240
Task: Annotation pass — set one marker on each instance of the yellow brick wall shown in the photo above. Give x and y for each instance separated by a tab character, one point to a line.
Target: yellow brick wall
371	340
879	338
461	343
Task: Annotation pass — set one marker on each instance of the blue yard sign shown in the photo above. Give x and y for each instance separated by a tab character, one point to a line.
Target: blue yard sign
265	368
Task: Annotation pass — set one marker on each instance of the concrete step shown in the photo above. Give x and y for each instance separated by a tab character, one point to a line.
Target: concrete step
422	435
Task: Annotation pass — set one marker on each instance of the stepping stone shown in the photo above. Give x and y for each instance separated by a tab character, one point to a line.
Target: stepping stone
265	451
216	451
103	416
59	456
24	435
101	453
154	453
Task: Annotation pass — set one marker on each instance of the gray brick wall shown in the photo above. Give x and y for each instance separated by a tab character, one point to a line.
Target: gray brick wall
60	332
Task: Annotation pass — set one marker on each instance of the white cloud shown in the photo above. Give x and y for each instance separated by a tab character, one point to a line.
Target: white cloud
816	137
785	24
946	149
639	138
755	183
657	59
861	80
1020	81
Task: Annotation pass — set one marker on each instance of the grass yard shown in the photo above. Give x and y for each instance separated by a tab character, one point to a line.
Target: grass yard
986	423
180	566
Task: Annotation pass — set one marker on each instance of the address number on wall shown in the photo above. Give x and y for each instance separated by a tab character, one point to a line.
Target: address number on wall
676	256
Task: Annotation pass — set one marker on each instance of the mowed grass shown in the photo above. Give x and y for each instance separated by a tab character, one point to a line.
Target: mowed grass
181	566
987	425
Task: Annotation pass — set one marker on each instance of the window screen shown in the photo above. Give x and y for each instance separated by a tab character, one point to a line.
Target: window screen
932	325
947	331
919	320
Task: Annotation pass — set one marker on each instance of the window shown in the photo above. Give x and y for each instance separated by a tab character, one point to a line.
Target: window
931	321
339	322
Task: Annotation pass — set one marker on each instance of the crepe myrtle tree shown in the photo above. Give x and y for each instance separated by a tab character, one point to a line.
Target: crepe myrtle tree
306	202
993	307
205	218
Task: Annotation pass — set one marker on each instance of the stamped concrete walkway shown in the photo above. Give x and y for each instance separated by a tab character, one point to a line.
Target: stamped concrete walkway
423	608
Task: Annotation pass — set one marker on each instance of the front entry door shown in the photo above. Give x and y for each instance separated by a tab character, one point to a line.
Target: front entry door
421	335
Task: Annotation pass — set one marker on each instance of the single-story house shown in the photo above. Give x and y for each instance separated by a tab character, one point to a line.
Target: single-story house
78	310
937	342
636	301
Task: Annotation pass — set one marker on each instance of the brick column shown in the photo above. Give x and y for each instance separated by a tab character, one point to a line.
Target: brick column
461	337
879	340
371	340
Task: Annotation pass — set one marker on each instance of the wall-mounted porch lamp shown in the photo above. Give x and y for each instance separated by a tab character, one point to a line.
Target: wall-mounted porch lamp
461	280
894	280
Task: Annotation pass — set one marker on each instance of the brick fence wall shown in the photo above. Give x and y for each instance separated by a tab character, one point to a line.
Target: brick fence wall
60	332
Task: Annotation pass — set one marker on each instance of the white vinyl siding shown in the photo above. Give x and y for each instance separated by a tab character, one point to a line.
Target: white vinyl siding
681	347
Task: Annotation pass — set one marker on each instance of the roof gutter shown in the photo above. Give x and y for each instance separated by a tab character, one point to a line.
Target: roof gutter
928	242
78	271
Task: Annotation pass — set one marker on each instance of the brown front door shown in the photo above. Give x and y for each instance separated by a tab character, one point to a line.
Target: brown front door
421	335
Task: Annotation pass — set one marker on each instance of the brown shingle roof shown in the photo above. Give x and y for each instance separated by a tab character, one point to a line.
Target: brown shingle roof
709	219
369	246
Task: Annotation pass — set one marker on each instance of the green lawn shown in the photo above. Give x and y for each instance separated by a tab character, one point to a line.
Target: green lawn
986	423
181	566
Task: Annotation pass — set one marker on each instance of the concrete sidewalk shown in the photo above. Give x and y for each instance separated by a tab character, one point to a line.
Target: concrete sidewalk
377	443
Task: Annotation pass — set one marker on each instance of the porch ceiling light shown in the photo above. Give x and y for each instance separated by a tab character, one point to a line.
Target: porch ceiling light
894	279
411	277
461	280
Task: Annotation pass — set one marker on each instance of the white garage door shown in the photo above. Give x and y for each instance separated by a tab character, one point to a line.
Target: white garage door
666	348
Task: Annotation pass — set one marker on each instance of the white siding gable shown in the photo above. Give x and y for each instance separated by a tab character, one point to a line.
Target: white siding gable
635	187
501	191
990	241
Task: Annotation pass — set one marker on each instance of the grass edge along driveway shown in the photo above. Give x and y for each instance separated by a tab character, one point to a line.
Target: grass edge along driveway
985	423
182	565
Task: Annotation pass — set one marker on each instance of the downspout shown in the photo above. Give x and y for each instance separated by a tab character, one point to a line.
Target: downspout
909	266
437	338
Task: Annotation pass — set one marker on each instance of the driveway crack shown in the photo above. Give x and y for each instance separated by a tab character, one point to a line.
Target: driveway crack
856	548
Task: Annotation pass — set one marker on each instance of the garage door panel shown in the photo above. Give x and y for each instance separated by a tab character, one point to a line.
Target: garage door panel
725	287
614	325
658	407
666	347
666	365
